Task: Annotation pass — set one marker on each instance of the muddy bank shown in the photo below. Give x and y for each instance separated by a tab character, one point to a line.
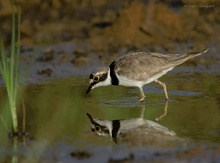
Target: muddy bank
108	25
63	152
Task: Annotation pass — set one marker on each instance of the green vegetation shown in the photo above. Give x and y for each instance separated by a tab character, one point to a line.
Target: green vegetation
9	68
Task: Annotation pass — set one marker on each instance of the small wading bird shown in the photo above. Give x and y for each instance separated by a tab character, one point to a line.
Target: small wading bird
137	131
138	69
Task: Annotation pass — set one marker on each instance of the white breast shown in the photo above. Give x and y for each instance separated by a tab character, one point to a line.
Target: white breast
135	83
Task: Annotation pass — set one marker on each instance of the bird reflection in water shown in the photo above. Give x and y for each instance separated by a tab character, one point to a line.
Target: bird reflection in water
137	131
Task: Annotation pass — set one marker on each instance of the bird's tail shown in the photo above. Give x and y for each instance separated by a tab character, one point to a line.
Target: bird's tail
184	57
194	54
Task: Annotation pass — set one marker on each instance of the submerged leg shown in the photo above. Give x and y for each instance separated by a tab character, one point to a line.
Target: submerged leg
164	88
142	94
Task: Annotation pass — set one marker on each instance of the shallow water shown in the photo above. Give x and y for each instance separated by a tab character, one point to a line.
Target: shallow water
61	107
55	111
193	108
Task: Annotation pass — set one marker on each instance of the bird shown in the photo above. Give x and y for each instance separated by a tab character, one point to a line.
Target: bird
137	131
136	69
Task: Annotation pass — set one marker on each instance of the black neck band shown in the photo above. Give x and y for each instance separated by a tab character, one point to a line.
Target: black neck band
115	128
113	75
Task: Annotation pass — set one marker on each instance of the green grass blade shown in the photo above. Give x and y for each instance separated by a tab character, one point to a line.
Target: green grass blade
18	52
13	84
11	69
4	63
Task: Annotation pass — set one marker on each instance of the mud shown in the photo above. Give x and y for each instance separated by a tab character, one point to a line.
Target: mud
106	26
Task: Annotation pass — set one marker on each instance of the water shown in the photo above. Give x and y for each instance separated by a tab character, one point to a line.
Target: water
59	108
56	121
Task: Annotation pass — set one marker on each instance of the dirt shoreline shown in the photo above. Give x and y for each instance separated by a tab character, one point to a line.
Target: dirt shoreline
110	25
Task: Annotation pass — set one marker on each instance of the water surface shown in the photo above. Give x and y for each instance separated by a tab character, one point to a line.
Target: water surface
55	111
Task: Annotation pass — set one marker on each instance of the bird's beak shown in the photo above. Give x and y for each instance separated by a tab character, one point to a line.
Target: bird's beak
90	117
89	89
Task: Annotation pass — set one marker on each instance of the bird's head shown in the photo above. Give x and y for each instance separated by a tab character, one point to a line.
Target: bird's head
100	77
100	127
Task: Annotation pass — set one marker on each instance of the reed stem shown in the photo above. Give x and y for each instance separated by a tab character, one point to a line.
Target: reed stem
9	69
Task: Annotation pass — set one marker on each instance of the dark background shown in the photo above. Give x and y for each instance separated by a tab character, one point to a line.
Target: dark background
108	25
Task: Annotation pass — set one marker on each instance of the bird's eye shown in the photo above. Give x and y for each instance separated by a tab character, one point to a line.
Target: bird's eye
98	129
96	78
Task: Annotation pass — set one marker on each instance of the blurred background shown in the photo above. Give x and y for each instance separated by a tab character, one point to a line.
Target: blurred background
108	25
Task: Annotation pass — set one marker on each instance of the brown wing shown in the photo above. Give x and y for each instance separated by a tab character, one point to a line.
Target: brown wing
140	66
143	65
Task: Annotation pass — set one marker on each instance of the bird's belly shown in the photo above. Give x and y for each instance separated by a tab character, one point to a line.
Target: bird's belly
139	83
130	83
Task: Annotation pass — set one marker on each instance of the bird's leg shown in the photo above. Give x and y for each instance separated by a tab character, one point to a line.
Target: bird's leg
142	94
142	111
164	88
164	112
